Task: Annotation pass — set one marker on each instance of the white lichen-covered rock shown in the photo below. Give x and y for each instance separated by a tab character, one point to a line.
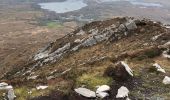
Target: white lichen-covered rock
165	54
128	69
166	80
41	87
85	92
76	48
11	95
100	38
103	88
61	50
156	37
122	92
159	68
32	77
41	55
89	42
102	94
122	27
113	26
81	32
77	41
166	44
3	84
131	25
7	87
94	31
167	26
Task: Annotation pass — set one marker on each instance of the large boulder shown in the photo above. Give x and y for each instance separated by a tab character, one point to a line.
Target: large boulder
166	80
3	84
103	88
131	25
11	95
122	92
122	71
102	94
85	92
101	91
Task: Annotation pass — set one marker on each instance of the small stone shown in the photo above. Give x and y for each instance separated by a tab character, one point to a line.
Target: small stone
77	41
159	68
41	87
166	80
113	26
122	92
166	45
102	94
166	54
122	27
156	37
103	88
32	77
86	92
50	77
11	94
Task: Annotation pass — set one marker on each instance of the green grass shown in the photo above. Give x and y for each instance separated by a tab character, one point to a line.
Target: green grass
22	93
91	80
50	23
54	25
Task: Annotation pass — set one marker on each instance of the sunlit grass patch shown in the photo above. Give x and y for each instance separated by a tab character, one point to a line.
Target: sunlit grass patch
54	24
92	80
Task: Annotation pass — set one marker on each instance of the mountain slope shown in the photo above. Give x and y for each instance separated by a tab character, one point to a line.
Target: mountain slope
88	57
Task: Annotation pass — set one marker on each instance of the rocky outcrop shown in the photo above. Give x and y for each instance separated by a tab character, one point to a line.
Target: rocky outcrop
130	25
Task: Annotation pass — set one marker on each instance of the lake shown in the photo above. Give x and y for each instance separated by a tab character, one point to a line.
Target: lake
63	7
136	2
72	5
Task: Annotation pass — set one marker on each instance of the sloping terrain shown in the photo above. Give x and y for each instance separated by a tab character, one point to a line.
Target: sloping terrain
88	57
